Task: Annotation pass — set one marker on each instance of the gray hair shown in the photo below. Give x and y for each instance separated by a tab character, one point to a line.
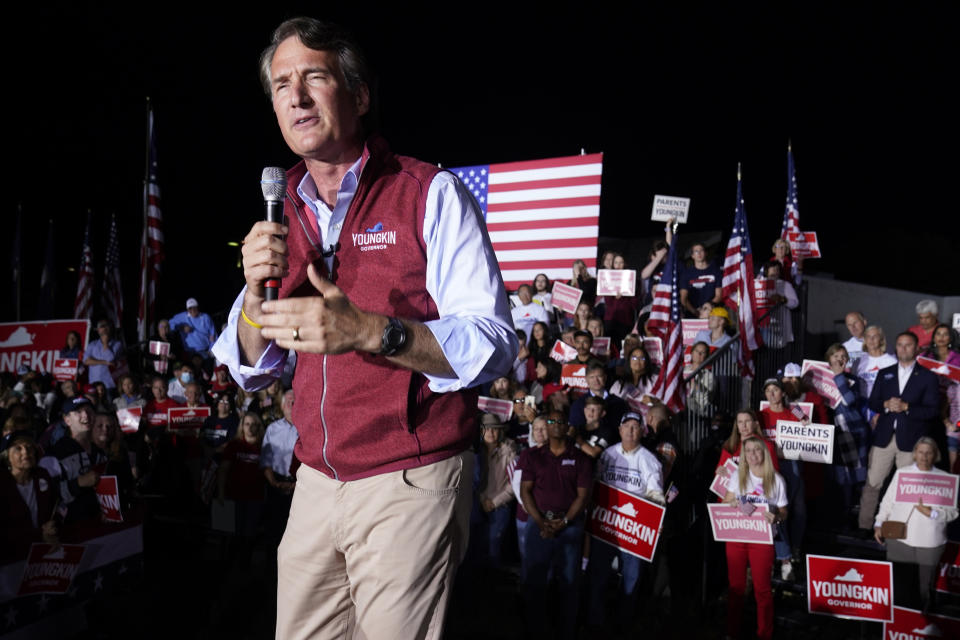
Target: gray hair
927	306
933	444
321	36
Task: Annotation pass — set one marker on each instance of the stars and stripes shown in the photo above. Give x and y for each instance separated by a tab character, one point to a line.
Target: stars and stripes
738	284
791	214
151	248
541	214
665	321
83	303
112	291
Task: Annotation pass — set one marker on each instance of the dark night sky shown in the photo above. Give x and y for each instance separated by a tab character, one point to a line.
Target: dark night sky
673	97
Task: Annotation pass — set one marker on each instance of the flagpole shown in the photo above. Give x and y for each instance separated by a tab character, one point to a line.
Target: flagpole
18	274
144	304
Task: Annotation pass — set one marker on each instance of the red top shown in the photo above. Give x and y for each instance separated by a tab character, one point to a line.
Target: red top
245	479
156	412
771	448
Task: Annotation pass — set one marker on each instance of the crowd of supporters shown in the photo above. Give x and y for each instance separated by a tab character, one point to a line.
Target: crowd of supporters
535	470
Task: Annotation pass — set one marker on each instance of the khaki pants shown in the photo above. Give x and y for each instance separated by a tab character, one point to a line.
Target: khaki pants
879	465
373	558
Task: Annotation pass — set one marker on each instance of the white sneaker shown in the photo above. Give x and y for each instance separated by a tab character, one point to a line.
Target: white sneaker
786	571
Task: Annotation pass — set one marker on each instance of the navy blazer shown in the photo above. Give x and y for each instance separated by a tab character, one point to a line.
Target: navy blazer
921	393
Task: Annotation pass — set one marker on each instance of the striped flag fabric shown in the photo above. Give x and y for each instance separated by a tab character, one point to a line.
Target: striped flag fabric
665	321
112	291
83	303
541	214
151	246
738	284
791	214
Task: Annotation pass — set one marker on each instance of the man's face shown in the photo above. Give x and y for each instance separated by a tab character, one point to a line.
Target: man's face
556	426
193	311
583	344
159	388
906	349
318	116
595	327
855	324
192	393
631	432
593	413
596	380
927	320
524	294
80	419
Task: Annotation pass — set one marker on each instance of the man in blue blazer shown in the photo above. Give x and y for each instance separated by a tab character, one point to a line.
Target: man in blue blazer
906	400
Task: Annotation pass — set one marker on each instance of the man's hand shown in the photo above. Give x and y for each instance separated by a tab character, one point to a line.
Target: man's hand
186	328
327	323
88	479
264	256
488	505
895	405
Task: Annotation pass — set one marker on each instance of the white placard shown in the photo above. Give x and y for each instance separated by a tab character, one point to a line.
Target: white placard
666	207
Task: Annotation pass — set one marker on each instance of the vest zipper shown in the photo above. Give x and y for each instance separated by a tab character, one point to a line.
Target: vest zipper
323	420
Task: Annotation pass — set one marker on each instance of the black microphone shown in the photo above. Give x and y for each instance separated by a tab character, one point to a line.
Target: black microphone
273	184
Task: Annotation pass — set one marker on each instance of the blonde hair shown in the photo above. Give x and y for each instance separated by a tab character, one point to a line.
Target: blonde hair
769	481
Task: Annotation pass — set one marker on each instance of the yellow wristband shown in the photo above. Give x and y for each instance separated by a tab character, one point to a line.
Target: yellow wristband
247	319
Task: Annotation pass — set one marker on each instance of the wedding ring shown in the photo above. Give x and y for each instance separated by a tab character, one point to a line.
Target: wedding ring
296	334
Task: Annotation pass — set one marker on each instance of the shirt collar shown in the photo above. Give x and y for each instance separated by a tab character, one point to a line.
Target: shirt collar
307	189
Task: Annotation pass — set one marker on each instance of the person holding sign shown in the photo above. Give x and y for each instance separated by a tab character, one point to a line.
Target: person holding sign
926	525
756	483
945	347
629	467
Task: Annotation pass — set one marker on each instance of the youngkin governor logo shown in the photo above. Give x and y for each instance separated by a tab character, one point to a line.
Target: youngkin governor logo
375	238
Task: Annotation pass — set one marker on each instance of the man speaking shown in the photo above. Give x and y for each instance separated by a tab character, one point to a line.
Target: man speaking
392	298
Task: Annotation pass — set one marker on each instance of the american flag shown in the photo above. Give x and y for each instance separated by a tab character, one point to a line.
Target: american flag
738	284
151	247
541	214
83	303
665	321
791	215
112	291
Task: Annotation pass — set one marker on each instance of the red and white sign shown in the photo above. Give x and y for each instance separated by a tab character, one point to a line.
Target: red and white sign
48	570
935	489
729	524
820	377
601	346
764	289
625	521
565	297
503	409
948	570
808	442
690	328
562	352
849	588
36	345
65	368
610	282
635	401
771	432
157	419
719	484
129	419
940	368
108	495
574	376
186	418
160	348
654	349
804	244
910	624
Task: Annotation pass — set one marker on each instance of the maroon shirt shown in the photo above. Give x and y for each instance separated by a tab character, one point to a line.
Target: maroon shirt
555	478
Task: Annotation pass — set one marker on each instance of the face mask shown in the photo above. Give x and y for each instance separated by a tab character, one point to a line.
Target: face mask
186	378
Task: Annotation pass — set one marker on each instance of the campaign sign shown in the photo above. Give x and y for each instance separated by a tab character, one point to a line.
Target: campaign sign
50	570
574	375
601	346
635	401
763	290
129	419
654	349
160	348
503	409
625	521
65	368
157	419
186	418
565	297
108	495
820	377
850	588
935	489
610	282
36	345
940	368
729	524
910	624
719	484
808	442
804	244
690	328
562	352
771	432
948	570
666	207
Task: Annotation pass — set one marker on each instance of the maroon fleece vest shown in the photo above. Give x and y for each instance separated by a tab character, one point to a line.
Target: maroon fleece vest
357	414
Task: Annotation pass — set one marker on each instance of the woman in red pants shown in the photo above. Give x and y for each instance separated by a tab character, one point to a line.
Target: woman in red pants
755	484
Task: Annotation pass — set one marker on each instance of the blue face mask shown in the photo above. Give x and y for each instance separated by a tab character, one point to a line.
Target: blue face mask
186	377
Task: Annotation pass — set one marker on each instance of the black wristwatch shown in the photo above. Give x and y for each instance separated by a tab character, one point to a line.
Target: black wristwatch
394	337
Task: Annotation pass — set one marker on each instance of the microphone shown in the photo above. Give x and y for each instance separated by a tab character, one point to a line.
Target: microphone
273	184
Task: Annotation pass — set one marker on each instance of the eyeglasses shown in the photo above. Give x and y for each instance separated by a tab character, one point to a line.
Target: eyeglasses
637	358
552	421
519	400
